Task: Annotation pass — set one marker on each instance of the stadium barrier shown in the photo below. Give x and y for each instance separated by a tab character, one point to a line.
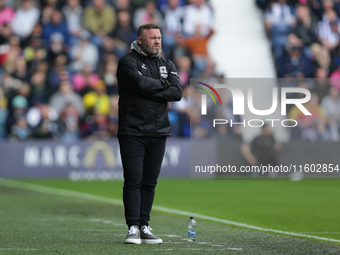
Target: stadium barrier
100	160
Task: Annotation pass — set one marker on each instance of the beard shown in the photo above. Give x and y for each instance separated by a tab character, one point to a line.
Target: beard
151	51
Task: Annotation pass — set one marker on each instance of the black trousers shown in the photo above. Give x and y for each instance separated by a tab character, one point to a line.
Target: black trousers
142	159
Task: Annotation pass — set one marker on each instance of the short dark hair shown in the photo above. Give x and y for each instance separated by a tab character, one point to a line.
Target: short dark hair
146	26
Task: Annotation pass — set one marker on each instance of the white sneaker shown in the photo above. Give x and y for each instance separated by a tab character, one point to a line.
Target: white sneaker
147	237
133	236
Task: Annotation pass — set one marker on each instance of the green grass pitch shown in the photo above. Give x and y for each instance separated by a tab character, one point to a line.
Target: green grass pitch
36	223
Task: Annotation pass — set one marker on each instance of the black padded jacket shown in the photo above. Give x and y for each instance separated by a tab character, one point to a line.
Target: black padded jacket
146	85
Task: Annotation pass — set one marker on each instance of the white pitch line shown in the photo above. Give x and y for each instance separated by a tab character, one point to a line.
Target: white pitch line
16	249
321	232
107	222
199	249
169	235
75	194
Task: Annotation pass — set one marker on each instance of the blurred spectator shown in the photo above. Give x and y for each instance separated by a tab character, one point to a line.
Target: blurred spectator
6	13
321	83
25	18
124	5
335	59
209	72
9	83
35	52
3	113
147	14
56	25
10	53
98	99
197	44
184	69
54	4
21	71
109	77
183	106
180	112
96	127
262	150
100	19
337	7
262	4
40	90
328	30
69	123
25	91
113	116
295	65
5	34
320	6
199	127
85	81
279	14
36	33
321	55
58	71
112	46
198	13
334	78
42	67
319	131
180	49
279	21
57	47
305	27
73	13
66	96
20	131
16	110
43	119
138	3
84	53
124	31
173	18
306	121
46	14
162	5
114	106
330	104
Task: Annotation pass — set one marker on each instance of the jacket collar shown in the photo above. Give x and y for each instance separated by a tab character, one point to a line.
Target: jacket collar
135	46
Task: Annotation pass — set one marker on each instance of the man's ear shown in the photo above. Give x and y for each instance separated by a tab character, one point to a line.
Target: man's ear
139	40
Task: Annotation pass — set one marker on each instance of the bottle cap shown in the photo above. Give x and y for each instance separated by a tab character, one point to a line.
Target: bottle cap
191	218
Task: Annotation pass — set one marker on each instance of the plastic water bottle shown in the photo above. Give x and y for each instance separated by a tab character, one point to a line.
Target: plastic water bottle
192	229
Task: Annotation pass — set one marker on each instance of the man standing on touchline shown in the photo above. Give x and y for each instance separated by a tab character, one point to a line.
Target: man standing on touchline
146	83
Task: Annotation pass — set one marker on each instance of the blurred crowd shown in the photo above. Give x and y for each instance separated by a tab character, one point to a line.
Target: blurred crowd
304	36
58	62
